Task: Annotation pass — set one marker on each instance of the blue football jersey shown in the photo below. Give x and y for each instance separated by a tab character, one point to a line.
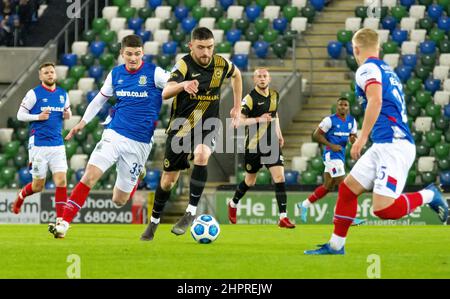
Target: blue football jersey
337	131
46	132
392	123
139	100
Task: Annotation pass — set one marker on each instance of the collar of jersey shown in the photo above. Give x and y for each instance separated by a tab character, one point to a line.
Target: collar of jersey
136	70
261	93
48	89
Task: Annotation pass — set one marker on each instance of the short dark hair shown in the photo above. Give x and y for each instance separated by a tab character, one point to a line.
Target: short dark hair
202	33
343	99
132	40
46	64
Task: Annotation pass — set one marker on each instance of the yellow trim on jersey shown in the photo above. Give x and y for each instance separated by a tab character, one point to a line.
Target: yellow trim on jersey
261	130
248	100
193	118
182	67
219	64
172	113
273	101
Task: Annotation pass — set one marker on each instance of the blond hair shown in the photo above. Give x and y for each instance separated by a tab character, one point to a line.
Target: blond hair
366	38
261	68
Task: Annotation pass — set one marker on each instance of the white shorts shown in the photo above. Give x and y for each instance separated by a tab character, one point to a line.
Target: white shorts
384	167
129	155
44	157
334	167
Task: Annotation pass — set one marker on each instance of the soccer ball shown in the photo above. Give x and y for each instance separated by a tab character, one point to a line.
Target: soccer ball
205	229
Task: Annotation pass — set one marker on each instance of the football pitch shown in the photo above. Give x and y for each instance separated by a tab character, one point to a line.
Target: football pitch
241	251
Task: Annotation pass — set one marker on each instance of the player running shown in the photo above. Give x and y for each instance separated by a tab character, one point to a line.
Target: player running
195	84
45	107
263	144
127	140
384	166
333	132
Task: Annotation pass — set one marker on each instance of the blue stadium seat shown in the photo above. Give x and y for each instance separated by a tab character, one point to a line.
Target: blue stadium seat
404	72
428	47
280	24
444	23
96	72
241	61
148	58
49	185
233	35
432	85
261	49
407	3
188	24
445	178
317	4
79	174
24	176
399	36
181	12
349	48
97	48
145	35
104	112
389	23
135	23
435	11
253	11
90	95
409	60
69	59
226	3
291	177
169	48
152	178
334	49
447	111
154	3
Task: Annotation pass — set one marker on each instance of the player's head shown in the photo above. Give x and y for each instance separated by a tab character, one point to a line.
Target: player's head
47	73
261	78
365	44
132	51
342	106
202	45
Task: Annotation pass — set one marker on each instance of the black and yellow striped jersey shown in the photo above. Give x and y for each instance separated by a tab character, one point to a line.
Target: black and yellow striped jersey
206	101
254	105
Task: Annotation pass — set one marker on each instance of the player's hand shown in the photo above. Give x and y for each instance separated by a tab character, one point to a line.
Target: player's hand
355	152
281	141
266	117
336	147
235	114
75	130
352	139
66	114
191	87
44	115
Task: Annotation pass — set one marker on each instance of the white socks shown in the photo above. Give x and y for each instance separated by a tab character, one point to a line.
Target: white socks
192	209
337	242
283	215
306	203
155	220
427	195
232	204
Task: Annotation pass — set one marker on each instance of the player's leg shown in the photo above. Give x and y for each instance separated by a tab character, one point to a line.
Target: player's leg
58	166
318	193
277	173
197	183
248	182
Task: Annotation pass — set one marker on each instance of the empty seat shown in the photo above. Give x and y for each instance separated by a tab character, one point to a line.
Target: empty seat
418	35
6	135
117	24
152	24
86	84
61	71
110	12
137	3
151	48
78	161
440	72
76	97
372	2
271	12
309	149
207	22
446	85
218	35
226	55
383	35
352	24
161	36
372	23
417	11
163	12
242	47
426	164
391	59
299	164
72	122
299	24
408	24
441	97
423	123
444	59
299	3
389	3
80	48
208	3
124	32
409	47
235	12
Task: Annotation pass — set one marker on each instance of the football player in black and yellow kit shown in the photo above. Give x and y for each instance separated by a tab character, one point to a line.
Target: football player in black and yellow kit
194	84
263	144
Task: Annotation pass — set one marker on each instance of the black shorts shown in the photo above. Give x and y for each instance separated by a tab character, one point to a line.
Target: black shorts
179	151
254	161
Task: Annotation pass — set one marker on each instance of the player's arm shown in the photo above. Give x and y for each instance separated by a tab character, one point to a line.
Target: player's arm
236	84
67	111
319	134
176	82
278	130
353	135
246	109
94	106
27	104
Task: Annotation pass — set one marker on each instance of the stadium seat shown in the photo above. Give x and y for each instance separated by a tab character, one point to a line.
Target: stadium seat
163	12
291	177
309	149
440	72
433	110
181	12
218	35
241	61
352	24
107	60
78	161
299	24
425	164
383	35
409	47
75	96
86	84
441	98
263	177
391	59
97	48
109	36
138	3
423	123
299	3
418	35
124	32
117	24
280	24
5	135
161	36
446	84
152	24
99	25
290	12
80	48
408	24
225	24
422	149
442	150
390	47
270	35
271	12
389	3
372	23
253	12
308	178
444	178
61	71
235	12
242	47
71	122
444	59
110	12
428	47
417	11
207	22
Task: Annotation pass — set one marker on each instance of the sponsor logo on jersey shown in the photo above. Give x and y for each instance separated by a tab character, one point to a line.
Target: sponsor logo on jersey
133	94
56	109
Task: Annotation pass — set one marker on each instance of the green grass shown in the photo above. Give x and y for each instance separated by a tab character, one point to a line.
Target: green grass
241	251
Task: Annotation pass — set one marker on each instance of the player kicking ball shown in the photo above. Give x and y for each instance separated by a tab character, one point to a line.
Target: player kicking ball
45	107
384	166
127	139
259	110
333	132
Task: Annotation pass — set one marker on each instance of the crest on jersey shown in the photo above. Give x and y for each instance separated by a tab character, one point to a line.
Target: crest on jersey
142	80
61	99
349	126
45	100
